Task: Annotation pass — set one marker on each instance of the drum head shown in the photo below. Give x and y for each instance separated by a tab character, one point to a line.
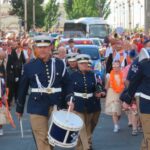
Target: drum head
68	120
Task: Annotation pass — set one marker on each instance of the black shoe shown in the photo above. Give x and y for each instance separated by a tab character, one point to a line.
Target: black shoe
129	125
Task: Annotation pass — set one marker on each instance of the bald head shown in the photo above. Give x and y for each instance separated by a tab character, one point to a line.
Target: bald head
62	52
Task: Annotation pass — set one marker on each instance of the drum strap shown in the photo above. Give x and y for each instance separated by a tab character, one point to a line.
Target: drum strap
52	79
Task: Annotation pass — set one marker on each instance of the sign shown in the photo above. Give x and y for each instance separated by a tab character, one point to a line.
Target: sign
119	30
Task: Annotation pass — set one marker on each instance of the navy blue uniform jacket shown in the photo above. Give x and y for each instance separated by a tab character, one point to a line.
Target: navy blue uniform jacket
39	103
85	83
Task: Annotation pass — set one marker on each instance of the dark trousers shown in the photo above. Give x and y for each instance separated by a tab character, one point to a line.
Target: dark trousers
13	92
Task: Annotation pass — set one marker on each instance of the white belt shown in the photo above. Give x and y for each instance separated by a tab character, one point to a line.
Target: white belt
46	90
83	95
147	97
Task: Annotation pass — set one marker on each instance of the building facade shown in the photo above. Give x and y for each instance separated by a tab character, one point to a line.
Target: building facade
7	22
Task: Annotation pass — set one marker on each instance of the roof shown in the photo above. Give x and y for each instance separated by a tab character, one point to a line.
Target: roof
88	20
41	37
76	39
84	46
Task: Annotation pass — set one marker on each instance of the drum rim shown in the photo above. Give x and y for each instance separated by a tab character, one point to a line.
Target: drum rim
71	145
56	121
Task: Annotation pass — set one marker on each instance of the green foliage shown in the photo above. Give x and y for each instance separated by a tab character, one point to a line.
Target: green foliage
68	6
51	11
18	9
103	8
87	8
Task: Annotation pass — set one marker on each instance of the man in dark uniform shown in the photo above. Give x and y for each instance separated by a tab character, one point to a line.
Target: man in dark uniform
45	76
72	63
139	86
13	71
97	103
84	88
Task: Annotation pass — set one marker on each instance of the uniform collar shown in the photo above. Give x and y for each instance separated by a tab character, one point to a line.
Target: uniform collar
47	62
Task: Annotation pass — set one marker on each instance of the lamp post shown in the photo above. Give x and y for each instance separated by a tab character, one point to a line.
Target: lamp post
120	14
133	14
124	15
129	5
147	16
141	15
34	14
115	23
25	15
117	16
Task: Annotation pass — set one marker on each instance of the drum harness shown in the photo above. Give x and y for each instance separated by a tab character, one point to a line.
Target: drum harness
48	89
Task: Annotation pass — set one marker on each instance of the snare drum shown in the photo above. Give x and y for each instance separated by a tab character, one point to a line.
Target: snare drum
64	129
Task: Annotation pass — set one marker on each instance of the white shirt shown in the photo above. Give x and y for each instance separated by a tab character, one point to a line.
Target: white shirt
108	51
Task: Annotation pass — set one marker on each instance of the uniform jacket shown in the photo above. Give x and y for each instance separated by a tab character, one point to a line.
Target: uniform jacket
139	85
70	70
85	83
14	66
39	103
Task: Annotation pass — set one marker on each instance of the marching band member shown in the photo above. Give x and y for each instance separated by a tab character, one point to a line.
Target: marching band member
84	88
97	104
139	86
46	76
72	63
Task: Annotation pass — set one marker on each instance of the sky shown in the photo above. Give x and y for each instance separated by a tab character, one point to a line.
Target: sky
117	14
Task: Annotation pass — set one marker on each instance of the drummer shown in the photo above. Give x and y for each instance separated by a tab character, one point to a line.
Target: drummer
97	104
47	77
83	85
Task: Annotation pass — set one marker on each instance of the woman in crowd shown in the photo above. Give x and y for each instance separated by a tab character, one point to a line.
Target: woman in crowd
114	86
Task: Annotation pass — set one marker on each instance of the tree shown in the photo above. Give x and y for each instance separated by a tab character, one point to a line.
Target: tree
68	7
87	8
18	9
103	7
52	14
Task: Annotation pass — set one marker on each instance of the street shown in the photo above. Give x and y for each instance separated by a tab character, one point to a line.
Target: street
104	138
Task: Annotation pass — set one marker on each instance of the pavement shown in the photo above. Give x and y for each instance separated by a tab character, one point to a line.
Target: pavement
103	138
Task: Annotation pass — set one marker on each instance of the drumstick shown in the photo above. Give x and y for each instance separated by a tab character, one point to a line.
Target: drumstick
69	109
21	127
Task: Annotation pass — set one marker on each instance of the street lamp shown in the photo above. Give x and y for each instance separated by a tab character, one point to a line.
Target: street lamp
25	15
129	5
124	16
115	23
117	14
141	14
133	14
120	14
34	14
